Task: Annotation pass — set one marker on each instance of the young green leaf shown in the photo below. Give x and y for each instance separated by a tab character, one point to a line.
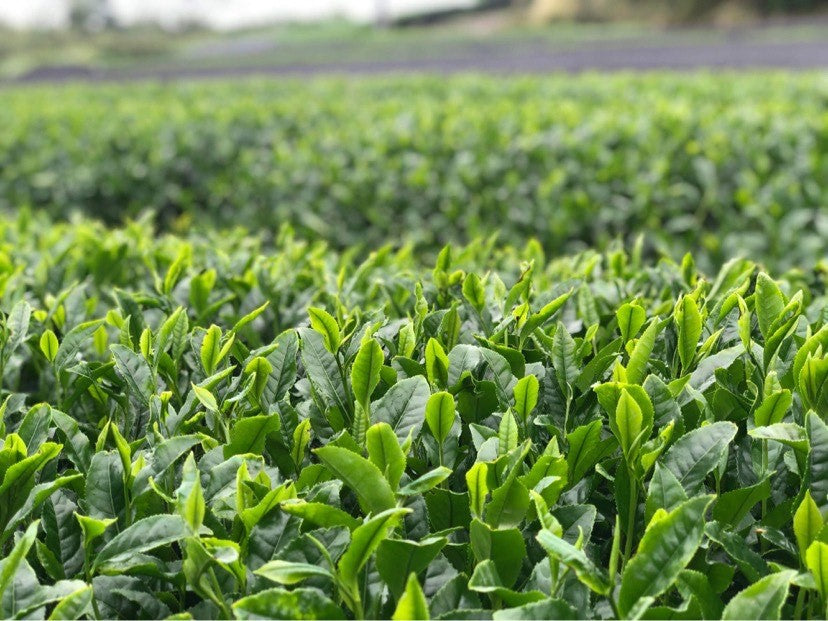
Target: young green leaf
474	292
584	449
638	419
813	385
817	341
206	398
436	363
816	560
365	539
49	345
773	408
478	486
365	372
761	600
629	422
630	317
440	415
429	480
689	323
74	605
324	324
640	355
210	349
17	556
385	453
769	302
588	573
92	527
526	397
320	514
190	496
807	523
261	369
412	605
507	434
287	572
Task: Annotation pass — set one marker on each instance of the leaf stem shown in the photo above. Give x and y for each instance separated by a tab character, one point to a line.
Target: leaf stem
220	601
764	474
800	602
628	544
614	605
95	608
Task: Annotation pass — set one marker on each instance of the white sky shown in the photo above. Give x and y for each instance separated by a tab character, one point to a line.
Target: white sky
218	13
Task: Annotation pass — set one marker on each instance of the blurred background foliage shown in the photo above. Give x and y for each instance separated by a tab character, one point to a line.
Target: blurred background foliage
717	164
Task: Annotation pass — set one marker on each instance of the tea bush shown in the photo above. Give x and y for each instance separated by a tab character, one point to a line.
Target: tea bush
200	426
719	165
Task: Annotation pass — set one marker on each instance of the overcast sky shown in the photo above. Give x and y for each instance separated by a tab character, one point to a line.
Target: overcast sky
218	13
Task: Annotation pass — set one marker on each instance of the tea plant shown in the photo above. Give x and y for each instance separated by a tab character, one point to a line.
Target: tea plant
200	428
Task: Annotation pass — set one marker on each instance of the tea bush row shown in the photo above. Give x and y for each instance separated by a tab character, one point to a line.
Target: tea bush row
195	427
716	164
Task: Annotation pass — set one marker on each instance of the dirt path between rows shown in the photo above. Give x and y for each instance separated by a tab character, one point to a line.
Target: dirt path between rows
498	59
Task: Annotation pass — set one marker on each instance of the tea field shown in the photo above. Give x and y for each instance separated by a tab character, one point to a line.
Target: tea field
412	349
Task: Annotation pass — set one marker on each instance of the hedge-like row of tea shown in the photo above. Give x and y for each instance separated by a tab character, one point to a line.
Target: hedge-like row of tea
714	164
198	428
